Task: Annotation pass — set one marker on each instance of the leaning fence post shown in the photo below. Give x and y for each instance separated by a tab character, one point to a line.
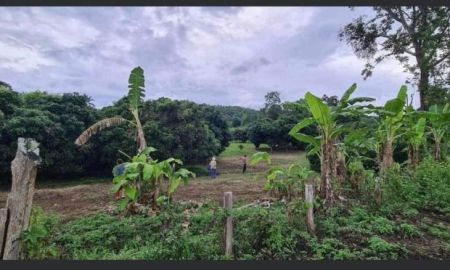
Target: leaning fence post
20	199
228	205
3	228
309	199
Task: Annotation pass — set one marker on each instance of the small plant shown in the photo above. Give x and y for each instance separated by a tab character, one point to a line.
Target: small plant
241	147
408	230
383	225
37	240
285	182
143	178
379	245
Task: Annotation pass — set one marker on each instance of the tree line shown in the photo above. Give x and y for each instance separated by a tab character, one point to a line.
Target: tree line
176	128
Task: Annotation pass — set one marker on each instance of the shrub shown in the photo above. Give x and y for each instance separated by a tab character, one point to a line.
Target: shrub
385	250
408	230
37	240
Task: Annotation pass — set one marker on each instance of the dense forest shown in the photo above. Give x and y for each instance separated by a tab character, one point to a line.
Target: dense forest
182	129
179	128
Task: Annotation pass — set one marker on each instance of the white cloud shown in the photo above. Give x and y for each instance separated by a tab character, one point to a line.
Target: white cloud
210	55
21	57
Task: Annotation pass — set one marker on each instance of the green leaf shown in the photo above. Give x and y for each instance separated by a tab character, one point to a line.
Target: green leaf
147	172
403	93
360	100
174	185
147	151
118	185
346	96
131	192
178	161
122	204
396	105
260	156
275	172
136	92
307	139
319	110
302	124
160	200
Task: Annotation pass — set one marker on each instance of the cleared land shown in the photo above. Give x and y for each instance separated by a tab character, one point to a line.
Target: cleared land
77	198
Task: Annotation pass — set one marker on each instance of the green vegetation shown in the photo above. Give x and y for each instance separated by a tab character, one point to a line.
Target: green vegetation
233	150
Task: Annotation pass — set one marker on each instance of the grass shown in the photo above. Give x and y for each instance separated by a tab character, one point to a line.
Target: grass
233	150
72	182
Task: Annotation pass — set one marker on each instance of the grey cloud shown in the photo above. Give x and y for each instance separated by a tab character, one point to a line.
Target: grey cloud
250	66
192	55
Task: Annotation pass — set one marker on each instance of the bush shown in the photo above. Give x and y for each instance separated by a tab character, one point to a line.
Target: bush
428	188
408	230
37	240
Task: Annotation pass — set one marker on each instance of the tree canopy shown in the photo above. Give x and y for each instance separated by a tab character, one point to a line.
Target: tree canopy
418	37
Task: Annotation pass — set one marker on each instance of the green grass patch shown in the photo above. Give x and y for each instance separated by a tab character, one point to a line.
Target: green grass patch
235	149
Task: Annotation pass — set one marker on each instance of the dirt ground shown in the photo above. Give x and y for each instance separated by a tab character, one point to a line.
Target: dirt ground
75	201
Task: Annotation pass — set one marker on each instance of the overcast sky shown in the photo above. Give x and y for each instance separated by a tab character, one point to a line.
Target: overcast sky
215	55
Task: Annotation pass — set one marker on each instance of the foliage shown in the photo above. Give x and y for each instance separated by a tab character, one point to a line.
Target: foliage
428	188
54	121
37	240
184	130
326	118
439	117
239	134
135	99
420	33
287	182
390	122
144	176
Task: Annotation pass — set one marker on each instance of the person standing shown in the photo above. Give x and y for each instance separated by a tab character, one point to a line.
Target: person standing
244	165
213	167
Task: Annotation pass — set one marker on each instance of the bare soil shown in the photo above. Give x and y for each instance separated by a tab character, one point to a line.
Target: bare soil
80	200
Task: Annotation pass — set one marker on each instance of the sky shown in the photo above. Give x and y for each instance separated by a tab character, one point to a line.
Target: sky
214	55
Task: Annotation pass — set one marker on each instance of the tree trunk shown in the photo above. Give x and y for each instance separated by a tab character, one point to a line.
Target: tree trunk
423	89
387	158
141	136
328	171
413	157
20	199
424	76
341	167
437	150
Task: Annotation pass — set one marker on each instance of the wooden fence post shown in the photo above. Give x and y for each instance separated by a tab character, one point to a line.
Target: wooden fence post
309	199
3	228
228	205
20	199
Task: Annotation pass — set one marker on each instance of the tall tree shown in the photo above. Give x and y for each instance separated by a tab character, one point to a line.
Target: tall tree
417	36
272	106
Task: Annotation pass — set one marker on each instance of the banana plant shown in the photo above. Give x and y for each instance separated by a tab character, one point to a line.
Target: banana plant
135	98
325	145
415	135
286	181
283	181
143	169
390	117
439	118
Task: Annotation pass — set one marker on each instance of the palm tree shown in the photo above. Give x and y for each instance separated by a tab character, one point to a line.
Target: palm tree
136	93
